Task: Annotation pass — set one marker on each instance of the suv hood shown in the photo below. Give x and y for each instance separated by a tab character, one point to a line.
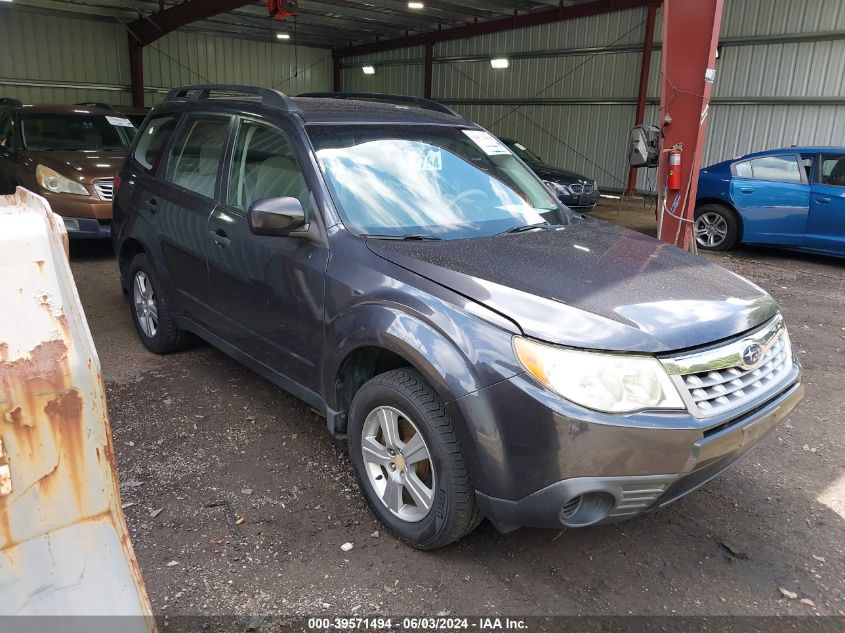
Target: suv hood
91	165
592	285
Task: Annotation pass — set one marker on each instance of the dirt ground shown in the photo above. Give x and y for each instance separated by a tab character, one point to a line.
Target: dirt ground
238	502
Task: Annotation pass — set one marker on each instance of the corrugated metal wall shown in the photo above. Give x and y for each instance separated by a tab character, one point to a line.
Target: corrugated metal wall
60	59
767	94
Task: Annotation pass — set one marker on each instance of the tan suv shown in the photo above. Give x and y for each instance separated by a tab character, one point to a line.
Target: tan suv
68	154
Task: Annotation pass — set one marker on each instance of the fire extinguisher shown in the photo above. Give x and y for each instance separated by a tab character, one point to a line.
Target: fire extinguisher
673	181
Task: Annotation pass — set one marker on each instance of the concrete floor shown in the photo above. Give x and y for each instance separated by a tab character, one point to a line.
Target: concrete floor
252	500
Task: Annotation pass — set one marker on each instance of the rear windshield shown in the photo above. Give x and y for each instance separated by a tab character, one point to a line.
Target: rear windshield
75	132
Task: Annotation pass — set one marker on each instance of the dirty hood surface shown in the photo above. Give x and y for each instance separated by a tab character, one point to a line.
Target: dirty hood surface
592	284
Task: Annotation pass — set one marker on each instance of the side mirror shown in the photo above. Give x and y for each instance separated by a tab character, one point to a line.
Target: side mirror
276	216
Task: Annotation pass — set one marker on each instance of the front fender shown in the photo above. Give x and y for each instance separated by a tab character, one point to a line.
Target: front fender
449	358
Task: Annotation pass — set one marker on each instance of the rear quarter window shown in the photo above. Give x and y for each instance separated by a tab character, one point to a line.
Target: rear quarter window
152	140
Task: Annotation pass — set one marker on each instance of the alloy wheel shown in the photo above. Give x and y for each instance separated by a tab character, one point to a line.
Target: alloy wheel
398	463
146	310
711	229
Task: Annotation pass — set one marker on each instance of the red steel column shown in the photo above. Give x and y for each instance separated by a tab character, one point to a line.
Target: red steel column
337	83
690	36
136	71
429	70
645	67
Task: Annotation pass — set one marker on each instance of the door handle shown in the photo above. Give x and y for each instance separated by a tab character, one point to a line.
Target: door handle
822	200
219	237
746	190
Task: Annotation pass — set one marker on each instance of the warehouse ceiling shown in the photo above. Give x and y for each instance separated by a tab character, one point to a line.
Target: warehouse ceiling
320	23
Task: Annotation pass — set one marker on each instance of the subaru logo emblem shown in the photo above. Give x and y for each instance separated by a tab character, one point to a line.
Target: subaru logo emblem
751	355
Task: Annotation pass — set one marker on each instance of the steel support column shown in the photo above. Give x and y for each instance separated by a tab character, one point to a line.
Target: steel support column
136	71
690	36
337	73
642	94
429	70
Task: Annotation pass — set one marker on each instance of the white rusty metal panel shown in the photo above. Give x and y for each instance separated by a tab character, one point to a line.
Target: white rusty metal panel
64	545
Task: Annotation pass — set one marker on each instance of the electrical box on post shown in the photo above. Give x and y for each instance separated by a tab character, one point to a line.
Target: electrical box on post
644	150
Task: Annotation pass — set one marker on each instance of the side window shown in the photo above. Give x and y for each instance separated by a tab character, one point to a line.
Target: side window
153	139
196	154
5	132
264	166
778	168
807	164
832	170
743	169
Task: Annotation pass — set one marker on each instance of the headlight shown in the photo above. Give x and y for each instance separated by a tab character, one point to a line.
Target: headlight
53	181
559	189
614	383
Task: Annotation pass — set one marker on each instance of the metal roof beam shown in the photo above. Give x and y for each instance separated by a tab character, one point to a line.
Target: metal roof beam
559	14
149	28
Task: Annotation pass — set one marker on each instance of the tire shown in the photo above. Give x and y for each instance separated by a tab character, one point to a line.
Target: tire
716	227
452	511
153	308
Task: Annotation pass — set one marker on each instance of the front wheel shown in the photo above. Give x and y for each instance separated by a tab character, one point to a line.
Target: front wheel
408	461
716	227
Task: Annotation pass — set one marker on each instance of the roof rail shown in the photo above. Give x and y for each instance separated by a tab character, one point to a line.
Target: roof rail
10	103
95	104
419	102
269	97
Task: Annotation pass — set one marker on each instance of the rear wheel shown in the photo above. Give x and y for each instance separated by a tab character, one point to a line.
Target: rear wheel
151	311
408	461
716	227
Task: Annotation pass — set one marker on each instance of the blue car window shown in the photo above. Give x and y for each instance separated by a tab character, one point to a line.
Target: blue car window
833	170
778	168
743	169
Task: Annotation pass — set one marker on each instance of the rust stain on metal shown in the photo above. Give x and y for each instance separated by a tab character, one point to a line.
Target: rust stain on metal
5	472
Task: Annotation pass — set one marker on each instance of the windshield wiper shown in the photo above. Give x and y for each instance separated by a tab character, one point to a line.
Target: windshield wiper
521	228
412	236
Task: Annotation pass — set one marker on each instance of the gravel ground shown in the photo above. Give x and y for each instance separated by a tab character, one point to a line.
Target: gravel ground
238	502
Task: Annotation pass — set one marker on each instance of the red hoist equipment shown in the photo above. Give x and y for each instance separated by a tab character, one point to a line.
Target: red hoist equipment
673	180
280	9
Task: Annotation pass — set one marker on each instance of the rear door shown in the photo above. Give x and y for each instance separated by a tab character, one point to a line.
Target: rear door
772	194
826	226
184	204
266	292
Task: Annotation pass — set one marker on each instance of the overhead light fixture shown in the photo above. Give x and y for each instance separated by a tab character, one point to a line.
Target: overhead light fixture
368	70
416	5
500	62
283	36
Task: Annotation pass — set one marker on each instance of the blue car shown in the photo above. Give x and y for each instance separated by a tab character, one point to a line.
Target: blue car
792	197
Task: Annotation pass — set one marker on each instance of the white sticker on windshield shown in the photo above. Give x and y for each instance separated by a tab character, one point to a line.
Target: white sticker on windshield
489	144
119	121
430	159
520	146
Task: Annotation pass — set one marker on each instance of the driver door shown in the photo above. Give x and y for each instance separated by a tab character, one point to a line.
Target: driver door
266	292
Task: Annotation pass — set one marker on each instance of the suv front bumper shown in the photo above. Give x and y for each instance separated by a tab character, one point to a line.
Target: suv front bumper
624	470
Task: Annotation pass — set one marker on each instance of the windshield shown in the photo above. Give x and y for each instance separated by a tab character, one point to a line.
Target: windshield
523	152
75	132
429	181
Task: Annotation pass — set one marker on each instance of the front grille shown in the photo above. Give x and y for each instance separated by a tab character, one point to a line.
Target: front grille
717	381
588	188
105	189
576	188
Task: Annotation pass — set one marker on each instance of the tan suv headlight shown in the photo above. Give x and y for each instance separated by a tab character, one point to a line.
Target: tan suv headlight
53	181
613	383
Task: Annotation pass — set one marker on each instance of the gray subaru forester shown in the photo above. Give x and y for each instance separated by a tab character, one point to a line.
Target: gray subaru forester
483	350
